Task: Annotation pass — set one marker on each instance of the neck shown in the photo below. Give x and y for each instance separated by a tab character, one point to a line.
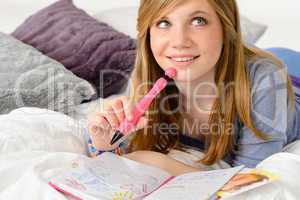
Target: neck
198	95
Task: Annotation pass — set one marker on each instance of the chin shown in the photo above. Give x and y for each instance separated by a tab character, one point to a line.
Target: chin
184	79
185	76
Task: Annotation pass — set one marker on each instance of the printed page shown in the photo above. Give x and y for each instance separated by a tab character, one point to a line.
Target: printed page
197	185
110	176
246	180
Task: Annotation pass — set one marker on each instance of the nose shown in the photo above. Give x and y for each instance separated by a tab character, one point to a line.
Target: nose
180	38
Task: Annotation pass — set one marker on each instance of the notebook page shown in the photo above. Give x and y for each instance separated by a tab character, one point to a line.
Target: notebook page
110	176
194	186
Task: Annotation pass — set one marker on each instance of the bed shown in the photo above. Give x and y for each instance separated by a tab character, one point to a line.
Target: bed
36	141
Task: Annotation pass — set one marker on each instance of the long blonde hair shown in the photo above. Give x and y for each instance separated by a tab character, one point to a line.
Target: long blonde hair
231	67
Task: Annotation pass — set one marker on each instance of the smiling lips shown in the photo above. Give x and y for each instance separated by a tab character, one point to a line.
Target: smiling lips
182	60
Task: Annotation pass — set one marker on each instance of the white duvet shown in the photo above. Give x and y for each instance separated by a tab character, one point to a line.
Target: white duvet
36	142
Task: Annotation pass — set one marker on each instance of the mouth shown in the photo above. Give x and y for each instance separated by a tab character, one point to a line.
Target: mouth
184	60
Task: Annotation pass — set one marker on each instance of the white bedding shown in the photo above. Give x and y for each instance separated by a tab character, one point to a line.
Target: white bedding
56	139
24	176
29	129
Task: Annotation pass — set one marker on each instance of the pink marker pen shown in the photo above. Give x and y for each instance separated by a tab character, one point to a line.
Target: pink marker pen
142	106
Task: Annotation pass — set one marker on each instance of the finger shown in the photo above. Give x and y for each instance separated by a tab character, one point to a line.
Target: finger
111	117
93	128
119	110
101	121
127	107
104	124
98	125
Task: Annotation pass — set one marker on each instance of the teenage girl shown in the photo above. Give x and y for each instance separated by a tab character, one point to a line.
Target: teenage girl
230	101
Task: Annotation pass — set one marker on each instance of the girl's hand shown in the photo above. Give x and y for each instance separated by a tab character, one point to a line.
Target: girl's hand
103	124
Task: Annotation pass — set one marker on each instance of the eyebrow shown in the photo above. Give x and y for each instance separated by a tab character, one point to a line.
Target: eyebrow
198	12
192	14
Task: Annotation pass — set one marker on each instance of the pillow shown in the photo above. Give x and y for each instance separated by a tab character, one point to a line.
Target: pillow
251	31
29	78
291	59
92	50
35	129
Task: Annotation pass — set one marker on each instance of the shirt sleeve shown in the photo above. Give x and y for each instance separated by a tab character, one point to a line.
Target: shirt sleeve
268	113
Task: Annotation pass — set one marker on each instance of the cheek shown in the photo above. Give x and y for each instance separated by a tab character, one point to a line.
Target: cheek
155	45
217	43
215	48
153	42
214	45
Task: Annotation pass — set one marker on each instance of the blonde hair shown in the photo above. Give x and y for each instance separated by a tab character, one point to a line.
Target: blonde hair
231	67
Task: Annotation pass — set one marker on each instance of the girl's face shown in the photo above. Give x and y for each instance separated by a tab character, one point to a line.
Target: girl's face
189	38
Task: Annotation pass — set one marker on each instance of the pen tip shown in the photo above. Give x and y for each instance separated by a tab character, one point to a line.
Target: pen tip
118	135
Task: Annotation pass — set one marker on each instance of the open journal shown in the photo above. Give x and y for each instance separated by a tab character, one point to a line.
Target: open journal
112	177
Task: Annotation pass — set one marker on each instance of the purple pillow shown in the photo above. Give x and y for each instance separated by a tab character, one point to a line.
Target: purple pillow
90	49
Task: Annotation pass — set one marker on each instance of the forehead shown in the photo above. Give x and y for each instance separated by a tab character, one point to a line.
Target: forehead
184	7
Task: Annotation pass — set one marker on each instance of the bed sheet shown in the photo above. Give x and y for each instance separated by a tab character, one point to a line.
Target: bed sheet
25	175
24	172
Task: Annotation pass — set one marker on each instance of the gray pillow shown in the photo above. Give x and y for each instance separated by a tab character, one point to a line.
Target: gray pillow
251	31
29	78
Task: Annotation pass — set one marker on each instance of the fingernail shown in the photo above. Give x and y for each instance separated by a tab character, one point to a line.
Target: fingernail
94	129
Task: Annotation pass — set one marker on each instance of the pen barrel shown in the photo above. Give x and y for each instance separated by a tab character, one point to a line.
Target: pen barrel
142	106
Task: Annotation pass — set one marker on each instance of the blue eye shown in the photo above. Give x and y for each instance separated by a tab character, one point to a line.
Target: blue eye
163	24
199	21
